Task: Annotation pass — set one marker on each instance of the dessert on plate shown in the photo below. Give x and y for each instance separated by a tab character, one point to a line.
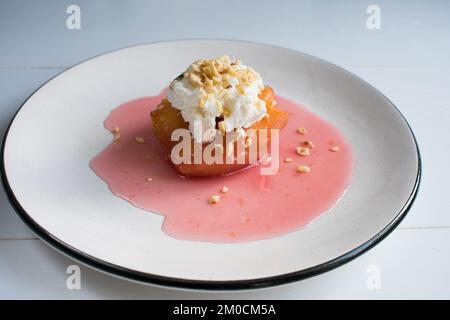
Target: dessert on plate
221	107
214	98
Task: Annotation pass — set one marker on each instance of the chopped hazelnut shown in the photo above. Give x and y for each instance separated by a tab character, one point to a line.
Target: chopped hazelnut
301	131
115	130
240	89
116	137
226	112
140	140
214	199
148	179
215	73
308	143
224	189
287	160
303	169
302	151
334	148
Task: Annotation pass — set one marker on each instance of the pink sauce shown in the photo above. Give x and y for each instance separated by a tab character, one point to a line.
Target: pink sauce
255	207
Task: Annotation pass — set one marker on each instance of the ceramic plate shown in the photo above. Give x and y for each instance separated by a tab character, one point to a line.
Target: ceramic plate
59	129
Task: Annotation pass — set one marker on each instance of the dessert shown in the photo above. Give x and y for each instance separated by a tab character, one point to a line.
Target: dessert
315	164
224	97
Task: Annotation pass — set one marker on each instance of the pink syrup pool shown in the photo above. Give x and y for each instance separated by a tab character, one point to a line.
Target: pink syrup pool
255	207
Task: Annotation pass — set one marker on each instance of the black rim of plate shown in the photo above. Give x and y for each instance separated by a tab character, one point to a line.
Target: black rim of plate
207	284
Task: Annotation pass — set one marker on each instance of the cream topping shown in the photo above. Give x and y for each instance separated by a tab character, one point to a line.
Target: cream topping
217	90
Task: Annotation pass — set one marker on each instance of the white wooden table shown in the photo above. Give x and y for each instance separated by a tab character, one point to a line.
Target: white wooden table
408	59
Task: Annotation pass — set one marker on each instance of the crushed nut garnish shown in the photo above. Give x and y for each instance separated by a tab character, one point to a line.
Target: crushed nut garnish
301	131
149	179
240	89
214	75
334	149
214	199
140	140
308	143
211	73
287	160
226	112
303	169
302	151
115	130
116	137
224	189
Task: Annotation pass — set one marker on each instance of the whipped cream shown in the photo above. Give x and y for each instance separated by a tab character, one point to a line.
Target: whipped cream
222	89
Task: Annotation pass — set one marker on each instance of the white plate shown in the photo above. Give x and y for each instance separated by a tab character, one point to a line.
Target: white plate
59	129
